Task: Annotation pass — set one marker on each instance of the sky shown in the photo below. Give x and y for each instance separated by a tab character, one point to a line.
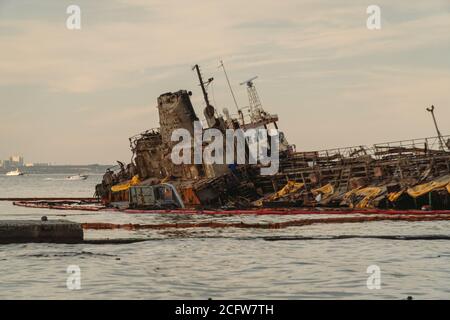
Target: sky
76	96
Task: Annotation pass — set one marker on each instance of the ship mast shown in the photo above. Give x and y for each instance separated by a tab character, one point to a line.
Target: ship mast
441	142
229	85
209	111
253	98
203	84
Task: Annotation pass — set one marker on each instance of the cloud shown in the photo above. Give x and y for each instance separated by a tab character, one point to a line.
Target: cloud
100	55
318	67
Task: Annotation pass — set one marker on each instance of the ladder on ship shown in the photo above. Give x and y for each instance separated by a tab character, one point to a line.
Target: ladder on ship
343	179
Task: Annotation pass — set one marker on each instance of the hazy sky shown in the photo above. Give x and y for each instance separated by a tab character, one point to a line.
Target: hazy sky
76	96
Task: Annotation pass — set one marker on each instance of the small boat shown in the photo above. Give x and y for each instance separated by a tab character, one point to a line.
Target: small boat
77	177
15	173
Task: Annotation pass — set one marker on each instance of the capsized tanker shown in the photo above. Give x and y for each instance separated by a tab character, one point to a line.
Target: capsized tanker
403	175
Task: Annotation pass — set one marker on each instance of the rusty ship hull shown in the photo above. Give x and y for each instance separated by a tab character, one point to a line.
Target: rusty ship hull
411	174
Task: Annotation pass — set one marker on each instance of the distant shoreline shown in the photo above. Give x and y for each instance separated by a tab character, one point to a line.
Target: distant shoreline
60	169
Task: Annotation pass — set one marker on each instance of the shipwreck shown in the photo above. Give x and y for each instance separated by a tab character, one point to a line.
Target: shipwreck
411	174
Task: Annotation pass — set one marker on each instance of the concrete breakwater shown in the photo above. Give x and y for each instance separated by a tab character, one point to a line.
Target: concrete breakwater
55	231
26	231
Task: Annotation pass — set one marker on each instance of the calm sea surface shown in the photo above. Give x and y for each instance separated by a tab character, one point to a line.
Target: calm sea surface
217	263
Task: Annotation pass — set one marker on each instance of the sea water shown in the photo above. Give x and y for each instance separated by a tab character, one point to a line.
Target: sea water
227	263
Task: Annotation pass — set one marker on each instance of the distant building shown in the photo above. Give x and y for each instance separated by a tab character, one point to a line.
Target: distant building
16	160
6	163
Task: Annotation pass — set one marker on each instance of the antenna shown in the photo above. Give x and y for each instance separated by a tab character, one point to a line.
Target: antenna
249	82
229	85
253	97
441	142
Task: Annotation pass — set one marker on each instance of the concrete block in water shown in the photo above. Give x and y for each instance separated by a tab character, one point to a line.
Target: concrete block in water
24	231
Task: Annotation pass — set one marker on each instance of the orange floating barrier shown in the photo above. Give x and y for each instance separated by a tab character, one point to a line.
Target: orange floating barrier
272	225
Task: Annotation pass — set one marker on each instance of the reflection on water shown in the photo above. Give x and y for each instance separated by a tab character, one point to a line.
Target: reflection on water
217	263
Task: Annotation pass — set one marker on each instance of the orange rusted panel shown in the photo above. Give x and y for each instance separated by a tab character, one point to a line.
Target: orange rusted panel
189	197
